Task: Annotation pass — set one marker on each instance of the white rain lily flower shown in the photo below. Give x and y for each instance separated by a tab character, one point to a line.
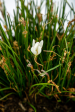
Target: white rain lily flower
36	47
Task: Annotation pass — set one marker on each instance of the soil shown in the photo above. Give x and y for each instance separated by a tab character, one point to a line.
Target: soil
14	104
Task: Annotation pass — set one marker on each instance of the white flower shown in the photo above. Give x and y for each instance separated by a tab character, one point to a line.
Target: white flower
36	47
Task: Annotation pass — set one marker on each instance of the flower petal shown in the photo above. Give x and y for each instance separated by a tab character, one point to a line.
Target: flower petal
33	42
33	51
39	49
36	45
41	43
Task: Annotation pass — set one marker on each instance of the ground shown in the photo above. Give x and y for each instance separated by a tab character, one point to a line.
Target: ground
14	104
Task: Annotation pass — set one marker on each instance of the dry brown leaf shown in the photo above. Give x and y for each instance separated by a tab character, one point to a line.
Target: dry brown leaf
30	110
22	21
60	36
57	87
21	105
70	22
39	15
0	48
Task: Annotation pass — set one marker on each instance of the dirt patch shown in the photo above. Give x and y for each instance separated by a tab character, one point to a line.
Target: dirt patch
14	104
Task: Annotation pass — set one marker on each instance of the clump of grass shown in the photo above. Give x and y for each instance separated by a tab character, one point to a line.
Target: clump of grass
51	73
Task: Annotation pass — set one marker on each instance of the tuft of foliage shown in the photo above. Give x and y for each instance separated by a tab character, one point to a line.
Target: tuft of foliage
51	73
